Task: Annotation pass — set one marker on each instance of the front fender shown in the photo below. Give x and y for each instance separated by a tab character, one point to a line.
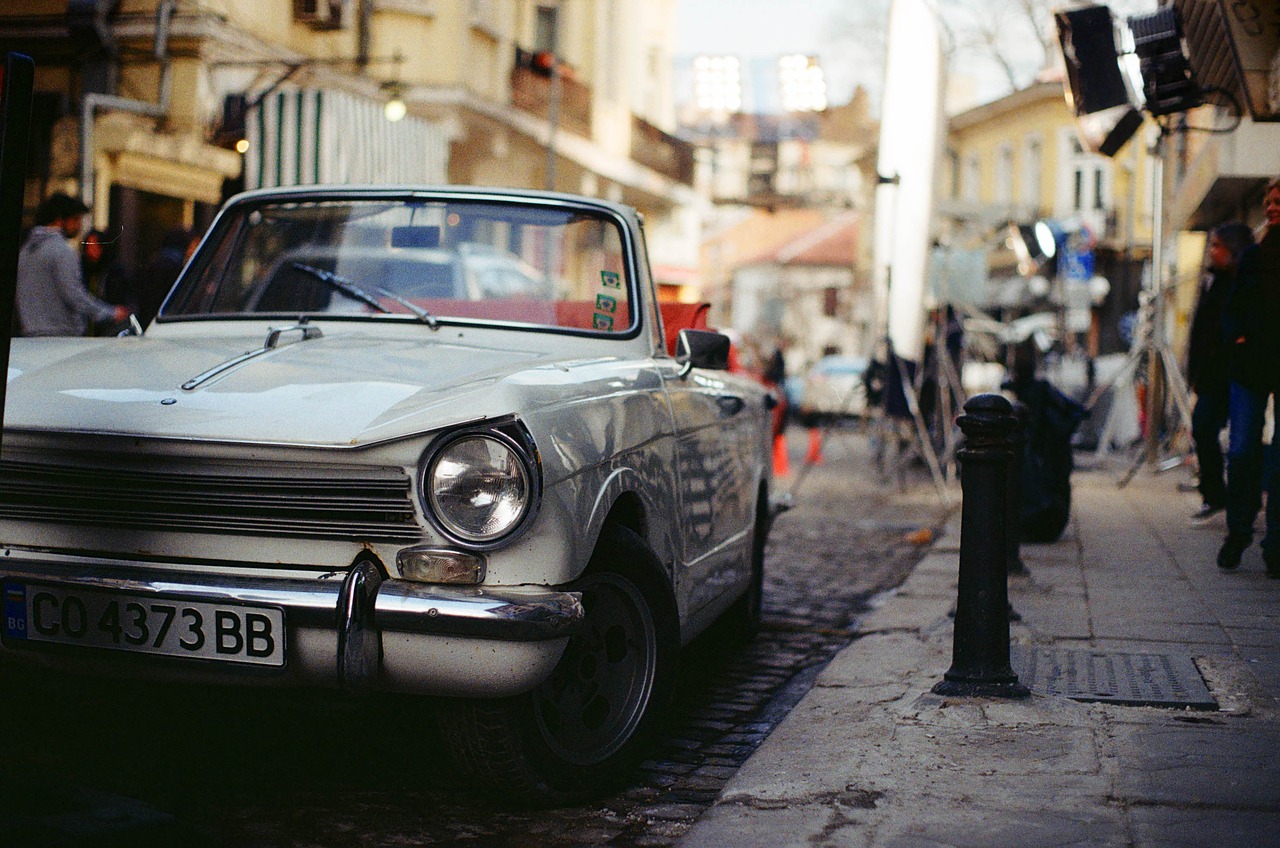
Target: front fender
654	524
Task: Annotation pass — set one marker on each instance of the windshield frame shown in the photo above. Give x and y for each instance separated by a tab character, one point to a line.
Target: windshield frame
234	211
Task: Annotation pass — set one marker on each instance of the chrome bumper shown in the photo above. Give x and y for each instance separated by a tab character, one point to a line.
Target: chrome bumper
383	628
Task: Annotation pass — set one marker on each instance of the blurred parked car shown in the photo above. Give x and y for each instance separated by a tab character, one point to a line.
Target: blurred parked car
833	390
431	441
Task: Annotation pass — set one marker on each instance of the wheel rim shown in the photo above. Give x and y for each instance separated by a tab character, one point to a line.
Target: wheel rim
597	696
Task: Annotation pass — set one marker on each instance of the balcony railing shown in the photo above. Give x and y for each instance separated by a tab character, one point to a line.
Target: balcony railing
661	151
531	92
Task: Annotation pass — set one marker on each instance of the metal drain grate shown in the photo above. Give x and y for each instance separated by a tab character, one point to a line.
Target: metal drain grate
1135	680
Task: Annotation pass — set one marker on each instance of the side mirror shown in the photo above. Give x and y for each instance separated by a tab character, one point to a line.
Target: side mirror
702	349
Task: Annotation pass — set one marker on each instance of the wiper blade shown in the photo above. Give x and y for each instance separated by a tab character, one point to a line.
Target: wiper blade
357	292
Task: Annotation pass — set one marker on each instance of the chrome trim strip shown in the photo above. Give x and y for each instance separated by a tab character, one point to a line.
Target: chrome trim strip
131	435
273	339
198	380
531	614
514	614
307	603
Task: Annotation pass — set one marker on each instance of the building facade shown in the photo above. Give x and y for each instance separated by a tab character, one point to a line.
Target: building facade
1220	156
1017	161
783	258
155	111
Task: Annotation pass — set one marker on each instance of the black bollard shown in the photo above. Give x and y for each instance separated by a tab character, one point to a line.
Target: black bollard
1013	507
980	654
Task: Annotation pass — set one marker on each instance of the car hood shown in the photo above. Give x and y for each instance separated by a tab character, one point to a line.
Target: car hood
342	390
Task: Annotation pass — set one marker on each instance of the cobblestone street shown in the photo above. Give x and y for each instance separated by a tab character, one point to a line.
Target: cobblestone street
229	769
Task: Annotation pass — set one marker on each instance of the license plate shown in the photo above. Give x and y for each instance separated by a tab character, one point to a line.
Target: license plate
170	627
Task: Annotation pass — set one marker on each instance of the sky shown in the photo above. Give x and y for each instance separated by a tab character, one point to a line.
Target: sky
758	27
766	29
842	34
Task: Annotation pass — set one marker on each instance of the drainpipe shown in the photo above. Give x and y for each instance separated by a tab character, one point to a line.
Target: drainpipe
93	102
364	33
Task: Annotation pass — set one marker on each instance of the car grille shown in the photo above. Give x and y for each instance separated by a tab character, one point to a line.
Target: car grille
325	503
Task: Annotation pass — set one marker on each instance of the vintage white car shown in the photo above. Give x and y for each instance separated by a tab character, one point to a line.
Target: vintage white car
324	465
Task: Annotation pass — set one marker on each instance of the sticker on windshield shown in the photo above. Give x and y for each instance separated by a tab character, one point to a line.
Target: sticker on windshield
606	304
606	308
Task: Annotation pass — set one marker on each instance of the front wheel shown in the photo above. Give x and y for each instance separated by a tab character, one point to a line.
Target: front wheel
581	732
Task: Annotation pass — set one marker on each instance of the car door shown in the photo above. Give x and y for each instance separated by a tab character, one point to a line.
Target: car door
715	437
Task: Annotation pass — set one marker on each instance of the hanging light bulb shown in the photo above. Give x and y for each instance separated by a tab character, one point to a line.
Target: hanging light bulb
394	109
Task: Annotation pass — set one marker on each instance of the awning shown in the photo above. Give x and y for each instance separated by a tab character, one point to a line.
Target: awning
311	136
131	153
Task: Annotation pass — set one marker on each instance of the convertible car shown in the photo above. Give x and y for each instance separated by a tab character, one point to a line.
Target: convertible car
440	441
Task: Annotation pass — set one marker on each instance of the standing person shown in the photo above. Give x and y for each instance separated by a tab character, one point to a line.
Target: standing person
1207	364
1251	322
775	377
51	299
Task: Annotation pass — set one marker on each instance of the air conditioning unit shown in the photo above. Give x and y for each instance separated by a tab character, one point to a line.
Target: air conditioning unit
320	14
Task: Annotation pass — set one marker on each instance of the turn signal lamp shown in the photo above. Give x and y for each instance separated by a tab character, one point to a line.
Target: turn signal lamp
441	565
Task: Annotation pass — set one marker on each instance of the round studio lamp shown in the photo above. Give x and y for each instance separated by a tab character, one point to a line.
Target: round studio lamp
1046	239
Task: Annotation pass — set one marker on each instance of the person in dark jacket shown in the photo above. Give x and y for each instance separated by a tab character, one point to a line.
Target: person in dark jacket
1251	323
1207	364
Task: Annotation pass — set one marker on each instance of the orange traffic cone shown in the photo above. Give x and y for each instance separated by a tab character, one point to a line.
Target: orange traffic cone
781	465
814	454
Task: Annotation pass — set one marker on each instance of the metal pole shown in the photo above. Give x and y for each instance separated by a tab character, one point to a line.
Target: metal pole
15	130
1013	508
1155	395
553	107
980	653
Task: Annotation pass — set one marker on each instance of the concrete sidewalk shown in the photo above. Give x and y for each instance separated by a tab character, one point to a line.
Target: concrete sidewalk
870	757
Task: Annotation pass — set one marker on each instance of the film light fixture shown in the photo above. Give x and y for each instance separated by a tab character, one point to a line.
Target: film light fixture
1168	85
1035	246
1116	70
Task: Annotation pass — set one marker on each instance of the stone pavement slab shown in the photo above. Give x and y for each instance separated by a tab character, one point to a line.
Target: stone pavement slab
870	757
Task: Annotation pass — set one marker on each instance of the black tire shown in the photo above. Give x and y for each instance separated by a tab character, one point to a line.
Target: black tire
740	624
583	731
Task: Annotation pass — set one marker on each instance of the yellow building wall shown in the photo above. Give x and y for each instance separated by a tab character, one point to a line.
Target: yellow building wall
1040	119
1130	170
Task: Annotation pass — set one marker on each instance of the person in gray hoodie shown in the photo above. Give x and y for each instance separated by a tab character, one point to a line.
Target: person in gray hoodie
51	298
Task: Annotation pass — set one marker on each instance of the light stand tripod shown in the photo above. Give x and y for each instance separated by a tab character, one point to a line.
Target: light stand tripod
923	445
1165	386
1164	376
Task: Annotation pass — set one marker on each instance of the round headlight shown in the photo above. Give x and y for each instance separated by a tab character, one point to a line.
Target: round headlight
478	488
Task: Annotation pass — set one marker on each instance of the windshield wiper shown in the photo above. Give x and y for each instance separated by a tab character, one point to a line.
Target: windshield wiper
350	289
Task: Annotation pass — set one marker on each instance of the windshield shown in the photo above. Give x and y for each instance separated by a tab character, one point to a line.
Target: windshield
411	259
